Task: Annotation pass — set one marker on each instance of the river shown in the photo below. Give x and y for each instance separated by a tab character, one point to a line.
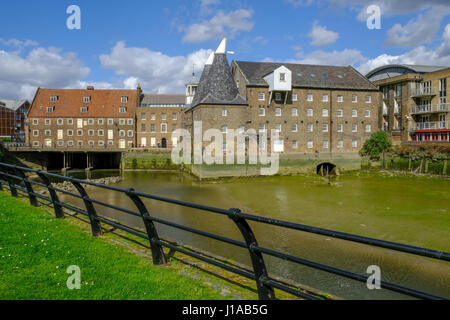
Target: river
402	208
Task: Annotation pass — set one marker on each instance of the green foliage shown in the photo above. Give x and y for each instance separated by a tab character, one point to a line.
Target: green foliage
378	143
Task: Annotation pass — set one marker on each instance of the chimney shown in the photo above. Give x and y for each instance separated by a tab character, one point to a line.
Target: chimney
90	87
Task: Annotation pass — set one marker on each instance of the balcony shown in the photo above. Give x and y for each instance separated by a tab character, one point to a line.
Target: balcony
439	125
428	108
423	92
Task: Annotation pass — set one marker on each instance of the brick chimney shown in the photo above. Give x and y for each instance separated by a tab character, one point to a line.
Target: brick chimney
90	87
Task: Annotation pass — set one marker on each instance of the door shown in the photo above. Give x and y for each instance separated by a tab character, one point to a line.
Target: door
110	134
143	142
60	134
122	144
164	143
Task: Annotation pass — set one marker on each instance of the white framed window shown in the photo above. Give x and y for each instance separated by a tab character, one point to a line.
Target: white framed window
354	113
130	122
367	114
354	98
223	129
53	98
48	122
294	127
70	143
153	117
60	143
122	133
122	122
110	122
368	128
325	127
324	112
310	127
278	127
224	112
368	99
86	99
70	133
294	112
143	116
309	144
79	132
294	97
261	96
122	109
101	143
35	133
84	109
70	122
262	127
340	113
91	122
340	128
340	98
91	133
325	144
294	144
124	99
48	133
50	109
163	116
309	112
101	133
355	143
309	97
35	143
35	122
130	133
261	112
355	128
325	98
91	143
278	112
164	127
174	116
101	121
60	122
340	144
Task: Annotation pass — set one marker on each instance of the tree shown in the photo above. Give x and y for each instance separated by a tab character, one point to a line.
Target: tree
378	143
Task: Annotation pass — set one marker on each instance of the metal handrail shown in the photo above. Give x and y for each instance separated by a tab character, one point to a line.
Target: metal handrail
13	176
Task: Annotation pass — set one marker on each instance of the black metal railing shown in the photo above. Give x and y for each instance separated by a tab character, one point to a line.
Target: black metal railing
16	179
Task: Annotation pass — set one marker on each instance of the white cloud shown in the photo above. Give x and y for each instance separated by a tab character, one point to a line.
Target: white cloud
321	36
20	76
219	26
205	6
337	58
155	71
421	30
18	43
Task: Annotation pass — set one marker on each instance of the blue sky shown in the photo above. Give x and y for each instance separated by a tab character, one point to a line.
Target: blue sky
155	43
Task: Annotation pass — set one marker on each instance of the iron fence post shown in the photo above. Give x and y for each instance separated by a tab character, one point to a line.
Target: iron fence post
31	196
259	267
11	184
95	224
157	250
59	213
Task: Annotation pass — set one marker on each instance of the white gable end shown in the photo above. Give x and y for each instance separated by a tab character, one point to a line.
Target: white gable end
280	79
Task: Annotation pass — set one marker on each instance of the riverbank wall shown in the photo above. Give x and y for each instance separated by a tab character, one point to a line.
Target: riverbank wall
416	165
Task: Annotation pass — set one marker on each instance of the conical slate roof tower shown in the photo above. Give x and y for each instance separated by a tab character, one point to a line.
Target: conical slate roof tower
217	86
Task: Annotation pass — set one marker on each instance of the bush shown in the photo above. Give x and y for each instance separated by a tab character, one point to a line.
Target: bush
378	143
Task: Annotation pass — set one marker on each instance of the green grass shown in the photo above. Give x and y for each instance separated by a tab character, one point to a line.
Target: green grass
36	249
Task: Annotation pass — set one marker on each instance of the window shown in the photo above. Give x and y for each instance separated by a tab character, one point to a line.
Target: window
368	128
309	144
35	122
324	112
355	128
278	96
164	127
122	133
60	143
262	127
340	144
91	122
224	112
35	133
223	129
278	127
87	99
91	133
224	146
50	109
84	109
152	128
130	133
143	116
70	143
367	114
294	144
101	143
101	133
53	98
340	113
309	97
110	122
60	122
294	127
325	144
261	96
368	99
163	116
130	122
325	98
355	144
35	143
123	109
294	112
325	127
174	127
340	98
282	77
48	133
261	112
48	122
143	127
80	132
354	113
152	116
309	112
340	128
310	127
91	143
354	98
79	143
101	122
278	112
70	133
174	116
124	99
294	97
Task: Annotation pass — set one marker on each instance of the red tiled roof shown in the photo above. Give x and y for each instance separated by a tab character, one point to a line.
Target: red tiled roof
103	104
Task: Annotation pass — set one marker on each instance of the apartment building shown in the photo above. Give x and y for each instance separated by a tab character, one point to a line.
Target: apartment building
415	106
157	116
83	119
315	109
12	118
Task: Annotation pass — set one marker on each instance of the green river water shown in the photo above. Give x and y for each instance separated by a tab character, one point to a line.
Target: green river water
402	208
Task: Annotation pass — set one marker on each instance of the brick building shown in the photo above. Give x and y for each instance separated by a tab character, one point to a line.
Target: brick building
83	119
315	109
12	118
415	106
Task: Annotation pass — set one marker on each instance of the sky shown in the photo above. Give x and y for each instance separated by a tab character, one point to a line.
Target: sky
157	43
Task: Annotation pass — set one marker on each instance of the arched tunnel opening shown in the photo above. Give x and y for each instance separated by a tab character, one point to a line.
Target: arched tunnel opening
326	169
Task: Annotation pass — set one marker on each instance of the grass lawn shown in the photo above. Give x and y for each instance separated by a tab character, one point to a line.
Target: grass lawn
36	249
